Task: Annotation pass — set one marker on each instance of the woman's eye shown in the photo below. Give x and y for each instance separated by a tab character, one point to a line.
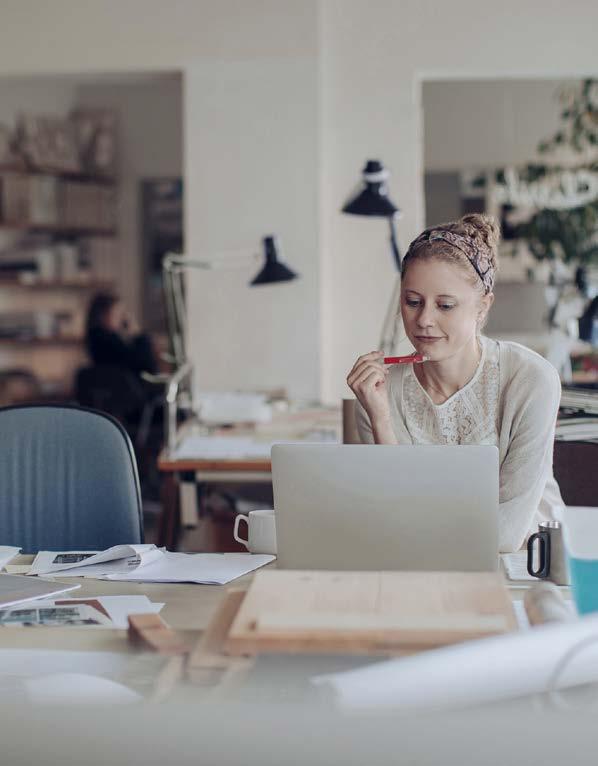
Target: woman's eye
446	306
412	302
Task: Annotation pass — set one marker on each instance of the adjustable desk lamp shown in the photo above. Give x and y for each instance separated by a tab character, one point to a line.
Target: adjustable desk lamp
173	266
373	200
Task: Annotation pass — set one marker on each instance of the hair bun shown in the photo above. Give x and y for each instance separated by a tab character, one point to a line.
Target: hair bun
486	228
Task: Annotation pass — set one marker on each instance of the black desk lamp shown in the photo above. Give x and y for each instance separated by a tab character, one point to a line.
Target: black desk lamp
372	200
173	266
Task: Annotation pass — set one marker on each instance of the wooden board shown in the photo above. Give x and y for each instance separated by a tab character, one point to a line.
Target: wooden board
151	631
208	662
368	612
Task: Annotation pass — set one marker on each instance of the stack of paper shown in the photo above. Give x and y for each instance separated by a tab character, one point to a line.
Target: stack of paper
146	563
585	400
577	429
7	553
119	558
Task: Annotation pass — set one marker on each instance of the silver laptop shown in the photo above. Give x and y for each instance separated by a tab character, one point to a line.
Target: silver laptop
377	507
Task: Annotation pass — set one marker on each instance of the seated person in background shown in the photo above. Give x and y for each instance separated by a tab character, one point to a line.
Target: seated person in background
113	338
470	389
18	387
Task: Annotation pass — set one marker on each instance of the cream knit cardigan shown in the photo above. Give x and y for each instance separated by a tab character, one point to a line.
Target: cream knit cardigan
529	397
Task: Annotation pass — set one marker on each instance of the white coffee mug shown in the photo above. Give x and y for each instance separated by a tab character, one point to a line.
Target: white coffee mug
261	534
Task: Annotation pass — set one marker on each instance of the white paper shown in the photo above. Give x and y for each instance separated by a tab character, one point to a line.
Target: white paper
474	672
222	448
234	407
49	614
516	566
17	589
119	558
201	568
7	553
120	607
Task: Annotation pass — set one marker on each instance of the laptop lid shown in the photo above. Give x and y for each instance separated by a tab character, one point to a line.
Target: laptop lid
378	507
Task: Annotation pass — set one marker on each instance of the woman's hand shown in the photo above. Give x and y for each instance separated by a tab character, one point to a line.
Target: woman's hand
129	324
367	380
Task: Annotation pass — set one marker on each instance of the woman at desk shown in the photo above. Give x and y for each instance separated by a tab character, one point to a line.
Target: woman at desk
470	389
113	339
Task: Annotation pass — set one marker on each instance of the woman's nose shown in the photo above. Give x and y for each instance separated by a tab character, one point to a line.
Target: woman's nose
425	318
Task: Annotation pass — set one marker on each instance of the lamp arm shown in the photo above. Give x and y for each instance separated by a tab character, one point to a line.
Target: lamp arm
173	266
394	243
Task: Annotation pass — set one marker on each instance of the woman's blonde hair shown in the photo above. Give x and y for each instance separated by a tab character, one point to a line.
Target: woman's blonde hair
470	243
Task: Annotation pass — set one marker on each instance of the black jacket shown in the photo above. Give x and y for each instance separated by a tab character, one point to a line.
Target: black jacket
107	348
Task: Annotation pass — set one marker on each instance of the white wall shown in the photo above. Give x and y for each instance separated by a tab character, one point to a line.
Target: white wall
370	57
475	123
374	57
150	145
34	96
253	165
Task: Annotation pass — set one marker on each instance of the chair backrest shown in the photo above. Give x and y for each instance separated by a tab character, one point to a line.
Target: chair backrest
576	471
68	480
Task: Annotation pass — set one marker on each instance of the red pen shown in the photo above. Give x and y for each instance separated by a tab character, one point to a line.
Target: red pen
411	359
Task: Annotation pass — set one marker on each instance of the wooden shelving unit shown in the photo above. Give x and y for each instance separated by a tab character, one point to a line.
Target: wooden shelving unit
41	342
50	228
78	198
68	175
56	285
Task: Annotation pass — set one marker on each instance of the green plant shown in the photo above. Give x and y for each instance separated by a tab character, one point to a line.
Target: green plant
569	235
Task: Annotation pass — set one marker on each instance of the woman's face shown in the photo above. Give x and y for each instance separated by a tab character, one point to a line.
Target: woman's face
441	309
114	317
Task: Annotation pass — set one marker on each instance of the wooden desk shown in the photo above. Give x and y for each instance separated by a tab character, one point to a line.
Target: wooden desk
188	609
171	471
294	426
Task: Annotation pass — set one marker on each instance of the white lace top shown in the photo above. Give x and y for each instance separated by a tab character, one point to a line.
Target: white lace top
470	416
511	401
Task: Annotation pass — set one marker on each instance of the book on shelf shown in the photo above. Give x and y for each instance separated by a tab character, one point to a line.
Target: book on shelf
46	200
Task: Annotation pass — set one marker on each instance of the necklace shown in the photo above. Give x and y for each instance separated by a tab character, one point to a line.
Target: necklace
428	385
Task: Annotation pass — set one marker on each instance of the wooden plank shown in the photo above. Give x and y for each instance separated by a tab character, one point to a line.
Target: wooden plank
151	631
368	612
167	463
208	663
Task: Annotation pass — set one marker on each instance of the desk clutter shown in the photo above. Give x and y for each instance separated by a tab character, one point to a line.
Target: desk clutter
319	425
435	627
27	600
147	563
578	415
102	611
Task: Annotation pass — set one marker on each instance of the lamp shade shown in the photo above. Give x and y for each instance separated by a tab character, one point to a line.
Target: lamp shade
273	270
372	199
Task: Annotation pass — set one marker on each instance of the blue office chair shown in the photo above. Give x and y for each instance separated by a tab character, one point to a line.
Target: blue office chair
68	480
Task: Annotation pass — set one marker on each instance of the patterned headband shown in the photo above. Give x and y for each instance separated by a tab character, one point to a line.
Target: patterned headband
479	258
